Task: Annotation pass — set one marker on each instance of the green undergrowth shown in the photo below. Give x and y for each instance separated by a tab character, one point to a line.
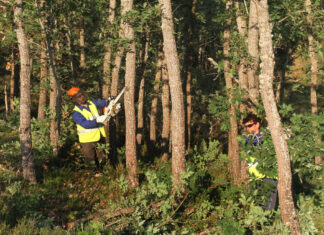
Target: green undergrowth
72	198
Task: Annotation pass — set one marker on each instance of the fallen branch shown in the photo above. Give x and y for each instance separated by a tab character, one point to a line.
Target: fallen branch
173	213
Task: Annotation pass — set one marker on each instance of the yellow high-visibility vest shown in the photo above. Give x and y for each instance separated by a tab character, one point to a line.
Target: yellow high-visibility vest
93	134
253	171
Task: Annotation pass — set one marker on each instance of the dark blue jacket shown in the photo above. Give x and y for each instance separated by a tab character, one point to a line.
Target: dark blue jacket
80	119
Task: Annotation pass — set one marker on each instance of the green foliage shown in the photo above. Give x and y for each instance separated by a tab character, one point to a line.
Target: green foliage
218	107
304	139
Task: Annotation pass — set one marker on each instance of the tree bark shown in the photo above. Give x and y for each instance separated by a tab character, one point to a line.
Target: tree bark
314	67
177	113
6	98
130	119
47	29
114	92
188	65
242	28
25	101
154	105
253	49
70	52
108	55
233	145
52	108
82	45
165	112
13	80
140	104
43	77
286	202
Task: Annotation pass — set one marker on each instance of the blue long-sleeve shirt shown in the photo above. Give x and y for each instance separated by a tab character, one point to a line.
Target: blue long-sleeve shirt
256	139
80	119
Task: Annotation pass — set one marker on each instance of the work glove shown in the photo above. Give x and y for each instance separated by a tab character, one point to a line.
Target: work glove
102	119
116	109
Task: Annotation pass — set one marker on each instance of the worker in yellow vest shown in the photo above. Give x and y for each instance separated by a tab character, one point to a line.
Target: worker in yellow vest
252	125
90	125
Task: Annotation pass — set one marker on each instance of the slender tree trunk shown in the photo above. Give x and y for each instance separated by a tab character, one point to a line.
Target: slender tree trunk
25	101
154	105
108	55
12	80
114	92
233	145
188	65
115	71
43	77
242	28
6	98
253	49
177	113
82	45
314	67
106	92
286	202
140	105
165	112
47	28
131	159
52	107
70	48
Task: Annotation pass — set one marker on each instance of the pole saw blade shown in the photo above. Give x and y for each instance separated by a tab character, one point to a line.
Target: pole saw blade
109	108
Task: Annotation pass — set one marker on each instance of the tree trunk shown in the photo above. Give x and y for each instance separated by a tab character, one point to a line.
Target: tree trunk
13	80
188	65
242	28
108	55
253	49
286	202
177	113
70	51
82	45
52	108
25	101
6	98
233	145
43	77
140	105
154	105
130	119
114	92
165	112
47	30
314	67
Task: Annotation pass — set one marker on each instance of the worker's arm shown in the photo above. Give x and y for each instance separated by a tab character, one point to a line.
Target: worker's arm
80	119
100	103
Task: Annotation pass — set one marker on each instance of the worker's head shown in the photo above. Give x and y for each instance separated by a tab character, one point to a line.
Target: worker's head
252	124
77	95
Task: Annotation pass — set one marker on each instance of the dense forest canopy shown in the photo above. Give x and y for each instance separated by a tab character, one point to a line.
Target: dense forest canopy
178	154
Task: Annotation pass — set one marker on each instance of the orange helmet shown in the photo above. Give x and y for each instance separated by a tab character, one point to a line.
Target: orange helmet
73	91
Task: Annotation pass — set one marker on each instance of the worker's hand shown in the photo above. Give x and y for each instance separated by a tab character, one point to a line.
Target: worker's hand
102	119
116	109
110	98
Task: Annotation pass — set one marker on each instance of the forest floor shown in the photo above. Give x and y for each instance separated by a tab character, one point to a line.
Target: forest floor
71	195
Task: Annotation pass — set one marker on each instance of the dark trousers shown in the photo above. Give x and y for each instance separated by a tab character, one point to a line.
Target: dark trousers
91	153
272	200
